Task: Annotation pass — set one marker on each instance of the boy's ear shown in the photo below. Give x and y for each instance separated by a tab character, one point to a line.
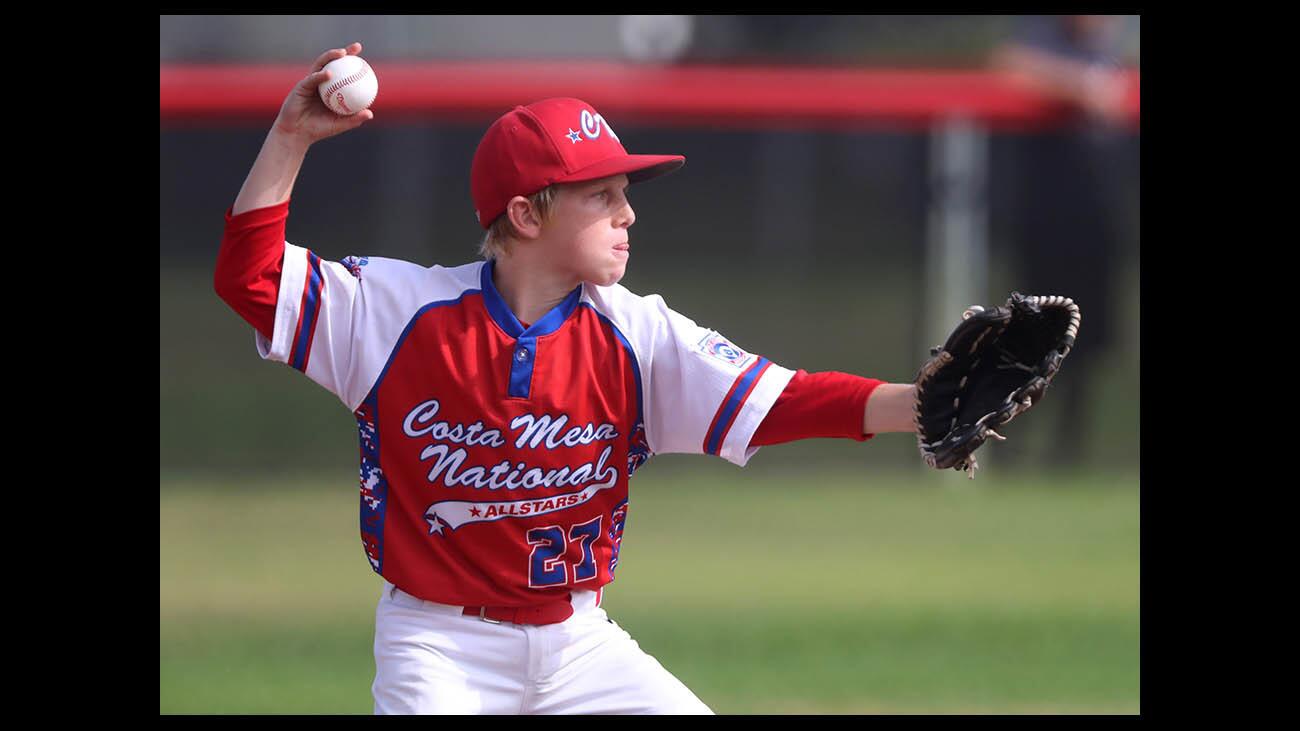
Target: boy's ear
524	217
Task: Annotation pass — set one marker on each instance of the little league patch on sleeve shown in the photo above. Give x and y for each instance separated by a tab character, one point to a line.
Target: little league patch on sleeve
716	346
354	264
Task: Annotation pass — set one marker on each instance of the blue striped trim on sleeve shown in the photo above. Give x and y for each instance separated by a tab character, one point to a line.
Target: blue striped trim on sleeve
310	312
730	408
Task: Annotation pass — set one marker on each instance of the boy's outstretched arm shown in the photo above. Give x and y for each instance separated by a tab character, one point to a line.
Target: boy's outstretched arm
836	405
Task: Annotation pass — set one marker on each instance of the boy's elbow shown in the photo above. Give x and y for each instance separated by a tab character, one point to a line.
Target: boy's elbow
222	283
228	282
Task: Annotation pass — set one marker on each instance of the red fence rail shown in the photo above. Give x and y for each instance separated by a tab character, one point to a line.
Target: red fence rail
708	96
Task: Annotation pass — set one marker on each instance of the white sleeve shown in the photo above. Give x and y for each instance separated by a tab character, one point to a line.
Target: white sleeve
703	393
338	322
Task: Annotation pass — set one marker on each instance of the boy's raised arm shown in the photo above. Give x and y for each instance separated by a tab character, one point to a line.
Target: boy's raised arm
303	120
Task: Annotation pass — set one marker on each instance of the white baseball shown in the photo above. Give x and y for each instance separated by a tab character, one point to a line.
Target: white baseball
351	87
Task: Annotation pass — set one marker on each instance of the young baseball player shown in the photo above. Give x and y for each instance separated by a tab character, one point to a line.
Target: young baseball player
503	406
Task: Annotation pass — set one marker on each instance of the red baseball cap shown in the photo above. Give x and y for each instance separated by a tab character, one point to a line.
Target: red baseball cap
561	140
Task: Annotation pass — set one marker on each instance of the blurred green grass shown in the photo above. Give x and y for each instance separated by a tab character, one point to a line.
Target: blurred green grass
764	590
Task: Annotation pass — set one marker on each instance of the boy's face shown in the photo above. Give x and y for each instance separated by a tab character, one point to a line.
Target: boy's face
588	229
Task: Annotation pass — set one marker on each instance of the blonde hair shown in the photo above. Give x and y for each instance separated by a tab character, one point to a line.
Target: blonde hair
502	230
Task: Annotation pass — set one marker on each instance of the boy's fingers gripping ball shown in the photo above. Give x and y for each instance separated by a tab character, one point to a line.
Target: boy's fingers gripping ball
351	87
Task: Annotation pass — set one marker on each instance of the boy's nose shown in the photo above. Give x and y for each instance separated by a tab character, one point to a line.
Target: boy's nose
627	216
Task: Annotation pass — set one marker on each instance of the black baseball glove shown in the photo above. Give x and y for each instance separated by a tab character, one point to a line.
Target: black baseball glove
995	365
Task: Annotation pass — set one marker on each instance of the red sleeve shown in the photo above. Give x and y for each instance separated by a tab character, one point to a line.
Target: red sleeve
830	404
249	264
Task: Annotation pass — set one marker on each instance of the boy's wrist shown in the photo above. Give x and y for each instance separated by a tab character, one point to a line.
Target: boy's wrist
890	408
290	142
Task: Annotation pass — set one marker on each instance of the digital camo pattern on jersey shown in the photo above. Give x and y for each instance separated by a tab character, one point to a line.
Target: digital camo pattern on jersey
495	458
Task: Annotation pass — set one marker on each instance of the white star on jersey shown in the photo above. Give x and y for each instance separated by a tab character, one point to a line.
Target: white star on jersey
435	523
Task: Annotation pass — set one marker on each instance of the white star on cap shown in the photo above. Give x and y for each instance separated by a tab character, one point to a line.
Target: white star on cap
574	137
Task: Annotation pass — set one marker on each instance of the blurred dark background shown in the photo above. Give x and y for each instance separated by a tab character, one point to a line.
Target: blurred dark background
915	40
808	246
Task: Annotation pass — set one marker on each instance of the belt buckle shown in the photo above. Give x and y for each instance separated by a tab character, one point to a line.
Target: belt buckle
482	614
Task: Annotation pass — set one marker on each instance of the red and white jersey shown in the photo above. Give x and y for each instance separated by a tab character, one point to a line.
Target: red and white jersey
495	457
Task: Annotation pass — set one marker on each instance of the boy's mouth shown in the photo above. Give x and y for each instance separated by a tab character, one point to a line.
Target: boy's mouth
623	246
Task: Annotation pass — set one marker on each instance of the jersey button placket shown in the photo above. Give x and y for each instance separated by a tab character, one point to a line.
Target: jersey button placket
521	367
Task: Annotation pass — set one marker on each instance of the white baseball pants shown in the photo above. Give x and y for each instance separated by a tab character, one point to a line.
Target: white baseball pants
430	658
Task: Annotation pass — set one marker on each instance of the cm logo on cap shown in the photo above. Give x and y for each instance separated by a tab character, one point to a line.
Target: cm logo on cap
591	125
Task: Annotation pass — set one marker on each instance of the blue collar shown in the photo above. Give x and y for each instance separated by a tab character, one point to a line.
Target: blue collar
500	311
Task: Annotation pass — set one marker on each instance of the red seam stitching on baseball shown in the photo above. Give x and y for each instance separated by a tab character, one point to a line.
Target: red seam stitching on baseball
346	80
